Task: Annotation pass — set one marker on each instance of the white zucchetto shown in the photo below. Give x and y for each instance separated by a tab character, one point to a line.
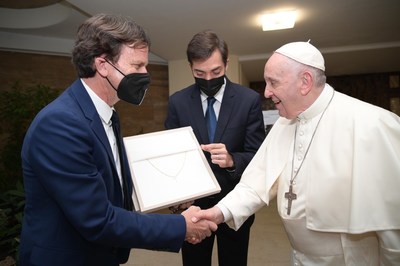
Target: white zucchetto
304	53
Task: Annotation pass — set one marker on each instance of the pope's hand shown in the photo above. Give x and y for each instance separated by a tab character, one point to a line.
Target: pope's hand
213	214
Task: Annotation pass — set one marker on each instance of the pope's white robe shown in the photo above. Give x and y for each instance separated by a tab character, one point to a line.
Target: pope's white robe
352	171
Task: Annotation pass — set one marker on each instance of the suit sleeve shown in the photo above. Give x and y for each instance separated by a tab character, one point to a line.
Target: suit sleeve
172	120
254	136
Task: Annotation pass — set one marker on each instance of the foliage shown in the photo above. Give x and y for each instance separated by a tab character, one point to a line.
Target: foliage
12	204
18	107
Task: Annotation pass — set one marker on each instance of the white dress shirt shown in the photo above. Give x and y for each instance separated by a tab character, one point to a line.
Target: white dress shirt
105	112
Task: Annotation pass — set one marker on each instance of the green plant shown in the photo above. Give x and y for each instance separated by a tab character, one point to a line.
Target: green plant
18	107
12	204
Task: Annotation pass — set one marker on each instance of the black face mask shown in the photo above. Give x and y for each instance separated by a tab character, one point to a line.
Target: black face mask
132	87
210	87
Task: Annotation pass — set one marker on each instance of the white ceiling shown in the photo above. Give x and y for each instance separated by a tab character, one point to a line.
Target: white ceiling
355	36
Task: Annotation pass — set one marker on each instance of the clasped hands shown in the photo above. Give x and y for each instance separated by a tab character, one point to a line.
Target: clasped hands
201	223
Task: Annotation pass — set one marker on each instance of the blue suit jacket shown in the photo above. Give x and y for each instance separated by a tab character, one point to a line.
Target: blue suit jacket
240	127
73	213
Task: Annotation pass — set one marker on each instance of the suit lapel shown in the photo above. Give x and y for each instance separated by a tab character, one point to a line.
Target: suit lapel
227	106
89	110
197	114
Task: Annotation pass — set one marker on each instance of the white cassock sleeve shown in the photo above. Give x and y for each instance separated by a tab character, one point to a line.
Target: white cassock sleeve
244	201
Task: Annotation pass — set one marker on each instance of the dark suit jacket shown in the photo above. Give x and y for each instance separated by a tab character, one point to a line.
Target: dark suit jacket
240	127
73	213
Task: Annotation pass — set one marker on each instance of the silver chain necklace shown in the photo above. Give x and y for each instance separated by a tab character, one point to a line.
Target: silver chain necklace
165	173
290	195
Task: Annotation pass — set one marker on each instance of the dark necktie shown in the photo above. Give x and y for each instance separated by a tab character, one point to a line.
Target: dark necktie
121	151
211	119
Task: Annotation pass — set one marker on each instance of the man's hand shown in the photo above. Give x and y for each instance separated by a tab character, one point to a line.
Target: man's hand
213	214
196	232
219	154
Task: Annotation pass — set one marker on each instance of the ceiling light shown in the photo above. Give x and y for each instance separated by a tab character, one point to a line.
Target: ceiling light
278	21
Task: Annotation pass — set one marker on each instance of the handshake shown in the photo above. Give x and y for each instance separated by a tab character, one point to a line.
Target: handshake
201	223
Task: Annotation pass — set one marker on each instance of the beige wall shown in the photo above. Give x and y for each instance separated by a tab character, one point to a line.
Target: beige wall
180	75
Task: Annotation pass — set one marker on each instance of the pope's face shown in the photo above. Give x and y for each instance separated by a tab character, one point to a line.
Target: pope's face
282	85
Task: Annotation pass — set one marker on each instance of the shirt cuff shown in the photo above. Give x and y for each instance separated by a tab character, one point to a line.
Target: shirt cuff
225	211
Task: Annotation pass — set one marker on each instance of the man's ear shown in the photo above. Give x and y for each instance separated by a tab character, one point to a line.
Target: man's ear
307	81
100	66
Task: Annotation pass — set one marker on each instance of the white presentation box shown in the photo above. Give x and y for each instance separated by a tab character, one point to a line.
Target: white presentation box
168	168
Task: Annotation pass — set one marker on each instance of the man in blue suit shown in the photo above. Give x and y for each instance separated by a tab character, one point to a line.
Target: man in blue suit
77	180
230	139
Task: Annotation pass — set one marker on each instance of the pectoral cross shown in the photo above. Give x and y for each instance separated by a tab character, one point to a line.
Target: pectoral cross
290	196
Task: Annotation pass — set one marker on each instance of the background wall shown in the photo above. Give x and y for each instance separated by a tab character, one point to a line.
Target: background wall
32	69
381	89
58	73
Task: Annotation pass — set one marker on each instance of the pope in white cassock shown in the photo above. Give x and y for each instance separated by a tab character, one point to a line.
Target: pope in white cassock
332	161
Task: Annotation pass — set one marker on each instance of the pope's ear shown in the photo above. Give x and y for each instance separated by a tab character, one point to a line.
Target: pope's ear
307	81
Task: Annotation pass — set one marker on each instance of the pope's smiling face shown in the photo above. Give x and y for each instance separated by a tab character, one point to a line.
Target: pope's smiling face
283	85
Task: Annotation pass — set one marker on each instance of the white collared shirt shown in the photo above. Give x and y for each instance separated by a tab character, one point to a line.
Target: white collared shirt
105	112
